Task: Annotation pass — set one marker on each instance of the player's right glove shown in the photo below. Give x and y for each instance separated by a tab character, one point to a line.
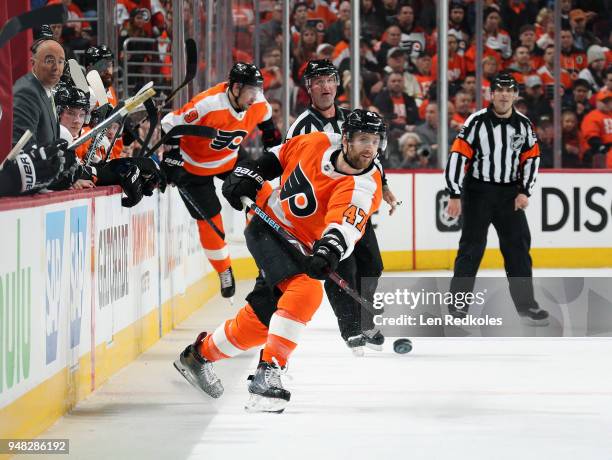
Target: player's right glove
326	255
36	168
172	167
244	180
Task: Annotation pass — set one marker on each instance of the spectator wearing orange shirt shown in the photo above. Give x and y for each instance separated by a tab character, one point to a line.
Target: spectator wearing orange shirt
456	63
320	9
572	59
271	72
546	73
463	109
596	130
521	66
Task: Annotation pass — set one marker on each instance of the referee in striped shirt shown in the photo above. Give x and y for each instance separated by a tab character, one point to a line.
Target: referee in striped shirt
490	175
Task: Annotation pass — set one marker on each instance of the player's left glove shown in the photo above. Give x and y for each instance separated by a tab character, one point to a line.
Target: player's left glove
244	180
326	255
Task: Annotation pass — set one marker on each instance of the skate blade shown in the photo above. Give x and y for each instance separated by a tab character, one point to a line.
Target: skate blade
373	346
185	373
358	352
258	403
535	322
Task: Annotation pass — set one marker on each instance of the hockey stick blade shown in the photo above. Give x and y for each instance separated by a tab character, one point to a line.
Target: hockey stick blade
94	80
76	73
54	14
302	248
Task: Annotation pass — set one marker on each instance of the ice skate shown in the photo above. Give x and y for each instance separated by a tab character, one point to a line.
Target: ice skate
266	389
356	343
198	371
535	317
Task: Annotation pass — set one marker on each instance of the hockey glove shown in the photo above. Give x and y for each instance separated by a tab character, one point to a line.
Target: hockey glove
244	180
326	255
172	167
35	169
131	183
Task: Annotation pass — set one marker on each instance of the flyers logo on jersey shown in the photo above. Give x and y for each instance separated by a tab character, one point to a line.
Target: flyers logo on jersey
298	190
191	116
225	139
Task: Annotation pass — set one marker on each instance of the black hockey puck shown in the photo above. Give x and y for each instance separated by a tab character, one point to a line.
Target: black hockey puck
402	346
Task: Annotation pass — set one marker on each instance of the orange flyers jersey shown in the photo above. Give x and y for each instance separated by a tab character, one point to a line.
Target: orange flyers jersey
112	96
207	157
313	197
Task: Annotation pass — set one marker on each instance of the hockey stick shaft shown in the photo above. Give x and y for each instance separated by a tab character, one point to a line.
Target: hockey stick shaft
54	14
302	248
185	194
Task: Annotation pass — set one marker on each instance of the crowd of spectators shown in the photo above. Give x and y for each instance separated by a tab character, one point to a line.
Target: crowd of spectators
399	61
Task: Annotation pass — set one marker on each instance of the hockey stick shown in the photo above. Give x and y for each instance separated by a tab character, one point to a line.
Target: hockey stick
25	137
185	194
54	14
97	87
191	55
129	106
76	73
185	130
305	250
147	104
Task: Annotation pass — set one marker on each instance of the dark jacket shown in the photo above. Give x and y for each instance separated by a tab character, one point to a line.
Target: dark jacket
32	110
385	105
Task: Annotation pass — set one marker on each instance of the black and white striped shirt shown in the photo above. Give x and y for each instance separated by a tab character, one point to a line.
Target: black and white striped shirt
496	150
312	120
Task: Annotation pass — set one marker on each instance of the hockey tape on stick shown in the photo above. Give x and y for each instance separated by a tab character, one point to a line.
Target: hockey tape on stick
130	105
302	248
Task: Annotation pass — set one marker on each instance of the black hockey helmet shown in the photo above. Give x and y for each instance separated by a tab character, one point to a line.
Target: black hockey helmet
504	80
364	121
246	74
319	67
70	96
95	54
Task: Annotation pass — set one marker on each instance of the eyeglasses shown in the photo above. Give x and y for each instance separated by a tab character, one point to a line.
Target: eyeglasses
51	61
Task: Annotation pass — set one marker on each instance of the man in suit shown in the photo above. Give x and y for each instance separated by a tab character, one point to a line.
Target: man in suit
33	106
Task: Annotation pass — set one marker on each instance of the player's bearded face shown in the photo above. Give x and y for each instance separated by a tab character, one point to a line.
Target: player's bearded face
362	148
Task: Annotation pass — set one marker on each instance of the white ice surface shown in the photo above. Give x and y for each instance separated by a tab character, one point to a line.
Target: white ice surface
476	398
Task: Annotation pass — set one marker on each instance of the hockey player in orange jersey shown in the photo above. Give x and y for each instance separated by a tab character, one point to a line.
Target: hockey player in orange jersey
234	108
329	188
